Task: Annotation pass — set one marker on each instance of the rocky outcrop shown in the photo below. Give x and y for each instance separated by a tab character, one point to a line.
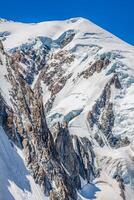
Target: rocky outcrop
86	158
53	75
37	142
102	114
53	160
65	38
97	66
52	80
76	154
7	120
33	58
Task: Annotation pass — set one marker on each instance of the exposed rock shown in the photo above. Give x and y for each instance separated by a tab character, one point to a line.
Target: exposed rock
65	38
6	119
1	46
55	80
39	150
102	113
97	66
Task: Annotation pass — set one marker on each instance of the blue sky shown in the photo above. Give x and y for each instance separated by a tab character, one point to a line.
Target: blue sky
116	16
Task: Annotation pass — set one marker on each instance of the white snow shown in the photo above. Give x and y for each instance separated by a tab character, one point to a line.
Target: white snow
79	93
124	109
4	84
21	32
15	181
105	187
46	93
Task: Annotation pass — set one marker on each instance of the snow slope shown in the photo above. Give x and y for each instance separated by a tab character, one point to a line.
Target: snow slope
89	43
20	32
78	96
15	181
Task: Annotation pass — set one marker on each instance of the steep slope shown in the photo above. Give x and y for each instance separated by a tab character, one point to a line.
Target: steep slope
26	125
15	181
81	78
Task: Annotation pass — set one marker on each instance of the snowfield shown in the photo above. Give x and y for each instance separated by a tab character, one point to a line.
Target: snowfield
73	103
15	181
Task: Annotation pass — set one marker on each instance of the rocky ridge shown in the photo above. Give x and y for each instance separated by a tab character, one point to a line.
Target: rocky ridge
60	108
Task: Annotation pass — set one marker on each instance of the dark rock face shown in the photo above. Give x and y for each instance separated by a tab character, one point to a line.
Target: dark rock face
6	120
33	58
85	156
53	75
77	156
50	159
102	114
37	142
97	66
65	38
68	157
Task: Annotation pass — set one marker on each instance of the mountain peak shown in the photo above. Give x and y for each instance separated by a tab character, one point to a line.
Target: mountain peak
66	100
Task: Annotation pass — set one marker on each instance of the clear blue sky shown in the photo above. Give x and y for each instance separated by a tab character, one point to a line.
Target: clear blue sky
116	16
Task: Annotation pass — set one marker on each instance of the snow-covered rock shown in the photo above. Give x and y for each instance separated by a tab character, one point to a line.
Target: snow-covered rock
15	180
83	78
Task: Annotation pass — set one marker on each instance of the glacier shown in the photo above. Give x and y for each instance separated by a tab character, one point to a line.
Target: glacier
84	77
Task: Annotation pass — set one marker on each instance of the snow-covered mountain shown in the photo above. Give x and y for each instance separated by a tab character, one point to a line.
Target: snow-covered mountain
67	104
